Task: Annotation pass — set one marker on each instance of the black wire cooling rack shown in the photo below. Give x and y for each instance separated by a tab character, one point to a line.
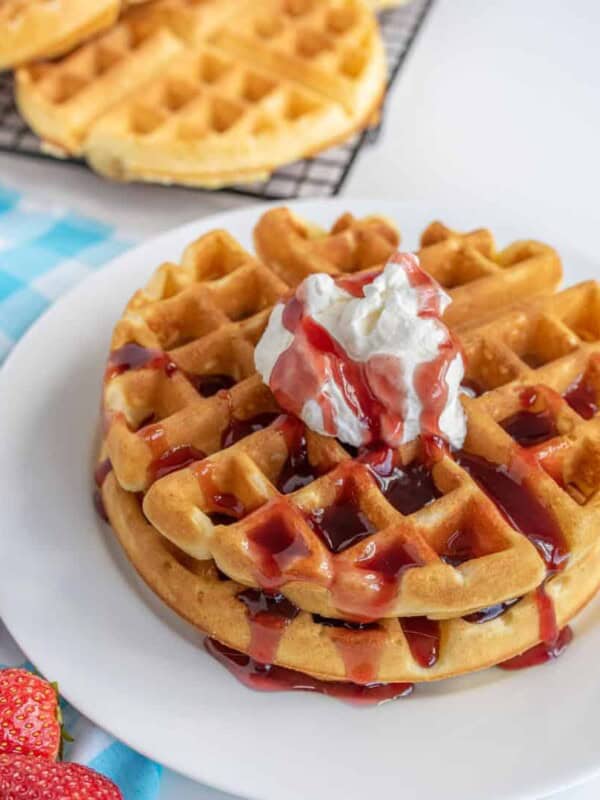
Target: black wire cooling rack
321	176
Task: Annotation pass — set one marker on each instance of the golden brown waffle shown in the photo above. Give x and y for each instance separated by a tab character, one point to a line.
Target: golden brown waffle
213	120
240	100
63	99
32	29
293	249
333	48
449	557
180	304
379	653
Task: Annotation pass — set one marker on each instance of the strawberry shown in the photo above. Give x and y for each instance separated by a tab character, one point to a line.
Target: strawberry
32	778
30	718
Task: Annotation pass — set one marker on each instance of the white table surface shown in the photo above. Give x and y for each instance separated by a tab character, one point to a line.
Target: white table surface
497	105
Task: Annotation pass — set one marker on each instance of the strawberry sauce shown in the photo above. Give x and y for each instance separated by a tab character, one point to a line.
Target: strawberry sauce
463	544
582	396
407	489
360	650
269	616
343	523
173	459
227	506
382	568
541	653
520	507
240	428
526	514
133	356
491	612
274	545
270	678
297	470
423	637
530	428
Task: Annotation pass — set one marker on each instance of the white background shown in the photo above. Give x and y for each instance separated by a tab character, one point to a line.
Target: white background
497	107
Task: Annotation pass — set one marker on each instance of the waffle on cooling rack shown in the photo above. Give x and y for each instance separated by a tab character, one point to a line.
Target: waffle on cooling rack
210	93
32	29
351	566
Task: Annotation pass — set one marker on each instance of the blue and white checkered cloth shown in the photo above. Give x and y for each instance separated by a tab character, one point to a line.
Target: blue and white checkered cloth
43	253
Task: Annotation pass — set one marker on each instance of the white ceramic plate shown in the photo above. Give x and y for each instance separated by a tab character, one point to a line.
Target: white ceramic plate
73	603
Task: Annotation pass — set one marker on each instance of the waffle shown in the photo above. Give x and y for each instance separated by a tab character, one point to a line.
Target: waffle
33	29
325	583
63	99
309	644
200	485
294	249
210	93
333	48
232	123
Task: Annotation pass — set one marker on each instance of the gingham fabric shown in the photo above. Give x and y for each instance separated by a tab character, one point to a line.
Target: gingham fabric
43	253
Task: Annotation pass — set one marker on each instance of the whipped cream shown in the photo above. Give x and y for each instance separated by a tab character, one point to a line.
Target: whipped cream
366	357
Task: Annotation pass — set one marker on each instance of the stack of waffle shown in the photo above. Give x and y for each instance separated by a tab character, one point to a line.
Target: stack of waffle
366	567
198	92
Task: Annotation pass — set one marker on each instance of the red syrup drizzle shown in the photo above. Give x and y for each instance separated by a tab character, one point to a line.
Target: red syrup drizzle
384	566
462	545
360	645
329	356
330	622
491	612
355	284
432	388
277	542
423	637
530	428
407	489
297	470
528	516
554	641
583	397
520	507
430	377
269	616
228	507
372	390
174	459
155	437
101	473
271	678
240	428
274	544
551	459
541	653
343	523
133	356
209	385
